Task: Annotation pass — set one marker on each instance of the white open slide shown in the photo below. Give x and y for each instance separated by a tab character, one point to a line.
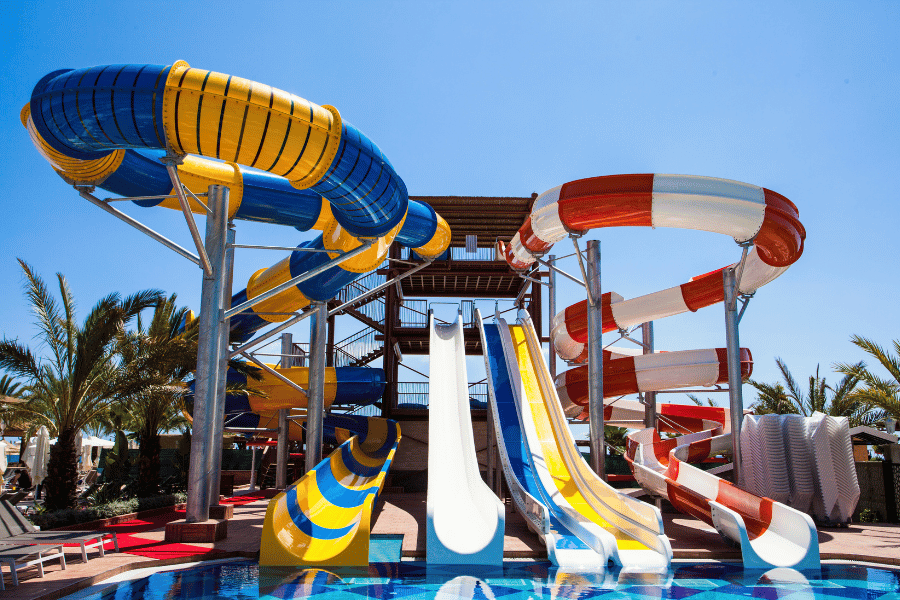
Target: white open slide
619	528
466	521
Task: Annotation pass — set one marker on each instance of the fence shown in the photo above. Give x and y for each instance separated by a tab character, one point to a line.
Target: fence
414	395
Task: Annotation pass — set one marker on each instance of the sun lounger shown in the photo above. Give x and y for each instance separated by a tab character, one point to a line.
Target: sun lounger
13	497
20	557
16	529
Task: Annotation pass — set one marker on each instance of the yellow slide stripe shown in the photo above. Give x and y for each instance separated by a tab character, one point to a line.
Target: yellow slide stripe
72	170
550	446
242	121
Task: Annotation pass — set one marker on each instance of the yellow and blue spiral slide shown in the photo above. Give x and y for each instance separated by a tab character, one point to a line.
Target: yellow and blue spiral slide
288	162
324	517
285	160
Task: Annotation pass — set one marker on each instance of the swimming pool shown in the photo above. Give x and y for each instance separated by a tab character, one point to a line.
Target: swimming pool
518	580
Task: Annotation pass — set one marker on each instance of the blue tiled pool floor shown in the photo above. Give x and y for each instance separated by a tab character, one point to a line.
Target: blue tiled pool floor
517	580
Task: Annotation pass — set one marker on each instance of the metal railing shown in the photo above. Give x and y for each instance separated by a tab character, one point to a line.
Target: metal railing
371	307
414	313
457	253
351	349
414	394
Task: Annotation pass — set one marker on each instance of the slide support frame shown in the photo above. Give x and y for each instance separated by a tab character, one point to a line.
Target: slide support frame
595	359
209	347
735	385
315	412
649	397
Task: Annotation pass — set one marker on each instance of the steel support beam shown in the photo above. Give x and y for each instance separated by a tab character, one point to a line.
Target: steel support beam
209	347
281	455
595	359
315	411
551	309
138	225
218	422
205	261
649	397
735	385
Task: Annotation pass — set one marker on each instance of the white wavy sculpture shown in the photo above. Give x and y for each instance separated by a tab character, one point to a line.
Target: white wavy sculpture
804	462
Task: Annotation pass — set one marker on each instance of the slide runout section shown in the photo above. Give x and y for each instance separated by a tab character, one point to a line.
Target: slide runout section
324	518
284	159
635	527
564	549
465	520
770	534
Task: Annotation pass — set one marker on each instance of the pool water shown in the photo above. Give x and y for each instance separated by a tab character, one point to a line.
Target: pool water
518	580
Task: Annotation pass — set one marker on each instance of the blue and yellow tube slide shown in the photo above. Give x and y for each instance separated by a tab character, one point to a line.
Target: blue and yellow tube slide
324	517
343	386
285	160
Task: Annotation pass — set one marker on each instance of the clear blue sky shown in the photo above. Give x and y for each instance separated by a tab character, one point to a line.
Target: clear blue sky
510	98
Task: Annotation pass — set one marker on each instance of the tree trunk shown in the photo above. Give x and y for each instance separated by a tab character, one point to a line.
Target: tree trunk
148	465
62	473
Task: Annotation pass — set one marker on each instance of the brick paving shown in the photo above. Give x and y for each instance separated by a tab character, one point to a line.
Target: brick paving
405	514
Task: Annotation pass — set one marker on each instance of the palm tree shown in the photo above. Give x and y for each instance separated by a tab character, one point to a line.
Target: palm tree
878	391
75	385
790	398
166	353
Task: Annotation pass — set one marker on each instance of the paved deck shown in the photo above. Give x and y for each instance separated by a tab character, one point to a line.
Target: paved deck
405	514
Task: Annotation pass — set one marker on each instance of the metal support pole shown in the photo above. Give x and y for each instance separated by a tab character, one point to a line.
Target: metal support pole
218	423
735	392
649	397
595	359
252	487
281	455
208	348
315	411
552	313
205	259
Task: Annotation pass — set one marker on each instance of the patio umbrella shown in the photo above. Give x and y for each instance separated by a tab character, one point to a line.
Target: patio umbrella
41	455
3	446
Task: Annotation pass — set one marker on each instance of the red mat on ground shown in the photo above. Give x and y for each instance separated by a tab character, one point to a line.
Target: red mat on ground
267	494
159	550
146	524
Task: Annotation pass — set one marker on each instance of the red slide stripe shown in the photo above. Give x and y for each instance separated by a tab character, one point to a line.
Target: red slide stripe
689	502
531	241
704	290
746	364
780	239
757	512
620	201
699	451
576	318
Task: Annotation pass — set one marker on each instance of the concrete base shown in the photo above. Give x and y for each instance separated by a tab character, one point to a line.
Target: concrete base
221	511
212	530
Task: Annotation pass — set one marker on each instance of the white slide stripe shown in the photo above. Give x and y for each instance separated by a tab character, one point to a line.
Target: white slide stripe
566	347
545	221
757	273
699	482
708	204
651	307
667	370
519	250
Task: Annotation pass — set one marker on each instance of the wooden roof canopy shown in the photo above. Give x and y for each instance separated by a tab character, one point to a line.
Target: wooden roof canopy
488	217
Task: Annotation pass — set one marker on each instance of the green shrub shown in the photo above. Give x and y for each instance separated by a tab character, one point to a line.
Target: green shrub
73	516
867	515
